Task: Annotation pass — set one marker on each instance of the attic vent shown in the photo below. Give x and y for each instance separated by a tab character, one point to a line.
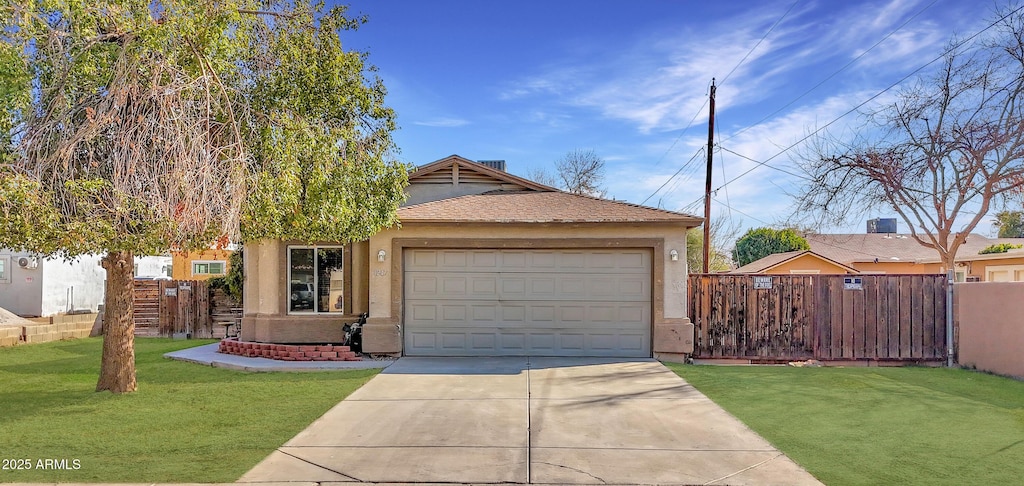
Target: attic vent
494	164
882	225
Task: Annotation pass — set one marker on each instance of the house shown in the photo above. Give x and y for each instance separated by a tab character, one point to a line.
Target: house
881	250
795	263
994	267
485	263
201	265
34	286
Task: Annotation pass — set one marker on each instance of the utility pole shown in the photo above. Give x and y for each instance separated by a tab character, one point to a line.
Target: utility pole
707	185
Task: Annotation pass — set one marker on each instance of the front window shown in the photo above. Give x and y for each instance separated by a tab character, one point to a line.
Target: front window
208	267
316	280
4	277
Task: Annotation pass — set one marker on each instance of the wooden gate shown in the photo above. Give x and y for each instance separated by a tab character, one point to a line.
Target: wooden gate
827	317
174	307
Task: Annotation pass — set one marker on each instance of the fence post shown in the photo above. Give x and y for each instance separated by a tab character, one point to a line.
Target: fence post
950	277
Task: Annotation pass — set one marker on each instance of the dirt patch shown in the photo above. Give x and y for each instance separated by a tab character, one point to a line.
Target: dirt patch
8	318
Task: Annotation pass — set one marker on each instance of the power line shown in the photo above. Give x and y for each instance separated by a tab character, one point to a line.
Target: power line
701	109
873	97
763	37
784	171
834	74
685	165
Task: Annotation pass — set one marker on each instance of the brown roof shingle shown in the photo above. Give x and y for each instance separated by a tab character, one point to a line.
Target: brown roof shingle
777	259
537	207
852	248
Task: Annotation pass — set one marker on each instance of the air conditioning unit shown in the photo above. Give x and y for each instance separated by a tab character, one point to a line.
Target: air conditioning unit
28	263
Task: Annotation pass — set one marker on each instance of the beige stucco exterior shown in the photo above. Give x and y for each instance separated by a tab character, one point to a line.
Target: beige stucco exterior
991	334
806	263
374	268
181	266
898	268
994	267
376	286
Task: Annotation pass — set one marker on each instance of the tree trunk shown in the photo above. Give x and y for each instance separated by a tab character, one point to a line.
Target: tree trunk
117	370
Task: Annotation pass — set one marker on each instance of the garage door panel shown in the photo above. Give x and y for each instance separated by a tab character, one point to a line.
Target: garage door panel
528	286
543	315
505	342
528	302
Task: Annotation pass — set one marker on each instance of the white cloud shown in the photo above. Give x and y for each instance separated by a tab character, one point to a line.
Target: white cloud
442	122
660	83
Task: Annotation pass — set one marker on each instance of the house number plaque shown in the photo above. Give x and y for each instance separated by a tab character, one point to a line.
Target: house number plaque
380	273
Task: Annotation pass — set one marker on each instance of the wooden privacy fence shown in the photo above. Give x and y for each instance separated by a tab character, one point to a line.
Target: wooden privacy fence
182	307
826	317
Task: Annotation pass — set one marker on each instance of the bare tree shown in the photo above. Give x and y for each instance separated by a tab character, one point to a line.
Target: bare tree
581	172
723	230
542	176
950	146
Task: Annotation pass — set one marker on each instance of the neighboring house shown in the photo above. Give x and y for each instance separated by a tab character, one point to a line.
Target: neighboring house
995	267
893	253
485	263
34	286
795	263
201	265
154	267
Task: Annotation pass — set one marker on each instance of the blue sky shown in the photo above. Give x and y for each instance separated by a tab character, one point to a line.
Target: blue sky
528	81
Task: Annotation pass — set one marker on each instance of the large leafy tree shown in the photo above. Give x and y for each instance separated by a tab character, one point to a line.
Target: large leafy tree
1010	224
134	127
758	243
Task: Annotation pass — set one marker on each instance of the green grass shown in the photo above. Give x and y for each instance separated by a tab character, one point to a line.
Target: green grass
186	423
851	426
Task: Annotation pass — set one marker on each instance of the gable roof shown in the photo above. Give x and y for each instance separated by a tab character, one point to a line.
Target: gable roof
538	207
774	260
456	169
867	247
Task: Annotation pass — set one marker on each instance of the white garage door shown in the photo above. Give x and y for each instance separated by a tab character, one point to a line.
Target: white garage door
528	302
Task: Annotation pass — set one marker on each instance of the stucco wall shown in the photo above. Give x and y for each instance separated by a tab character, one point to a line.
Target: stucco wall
898	268
674	238
377	286
152	266
979	268
72	285
805	263
991	330
182	266
47	289
22	294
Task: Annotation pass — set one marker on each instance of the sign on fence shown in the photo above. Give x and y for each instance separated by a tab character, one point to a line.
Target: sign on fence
762	282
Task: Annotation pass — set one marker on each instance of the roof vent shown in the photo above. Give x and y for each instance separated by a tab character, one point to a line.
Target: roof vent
494	164
882	225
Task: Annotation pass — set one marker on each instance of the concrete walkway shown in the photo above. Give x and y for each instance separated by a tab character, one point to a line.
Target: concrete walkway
528	420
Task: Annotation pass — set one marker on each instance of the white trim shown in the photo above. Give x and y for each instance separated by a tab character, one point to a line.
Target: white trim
223	263
805	272
5	269
1015	272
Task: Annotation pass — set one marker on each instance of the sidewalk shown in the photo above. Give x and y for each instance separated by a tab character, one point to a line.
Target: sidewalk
208	355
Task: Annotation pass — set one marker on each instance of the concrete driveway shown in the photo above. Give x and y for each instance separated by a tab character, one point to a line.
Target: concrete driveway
528	420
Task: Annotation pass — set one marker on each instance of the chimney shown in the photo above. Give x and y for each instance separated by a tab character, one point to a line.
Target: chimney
494	164
882	225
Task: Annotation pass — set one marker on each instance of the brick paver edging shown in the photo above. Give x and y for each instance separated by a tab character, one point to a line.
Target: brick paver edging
288	352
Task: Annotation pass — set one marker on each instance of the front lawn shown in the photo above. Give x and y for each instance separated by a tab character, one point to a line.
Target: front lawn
187	422
850	426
